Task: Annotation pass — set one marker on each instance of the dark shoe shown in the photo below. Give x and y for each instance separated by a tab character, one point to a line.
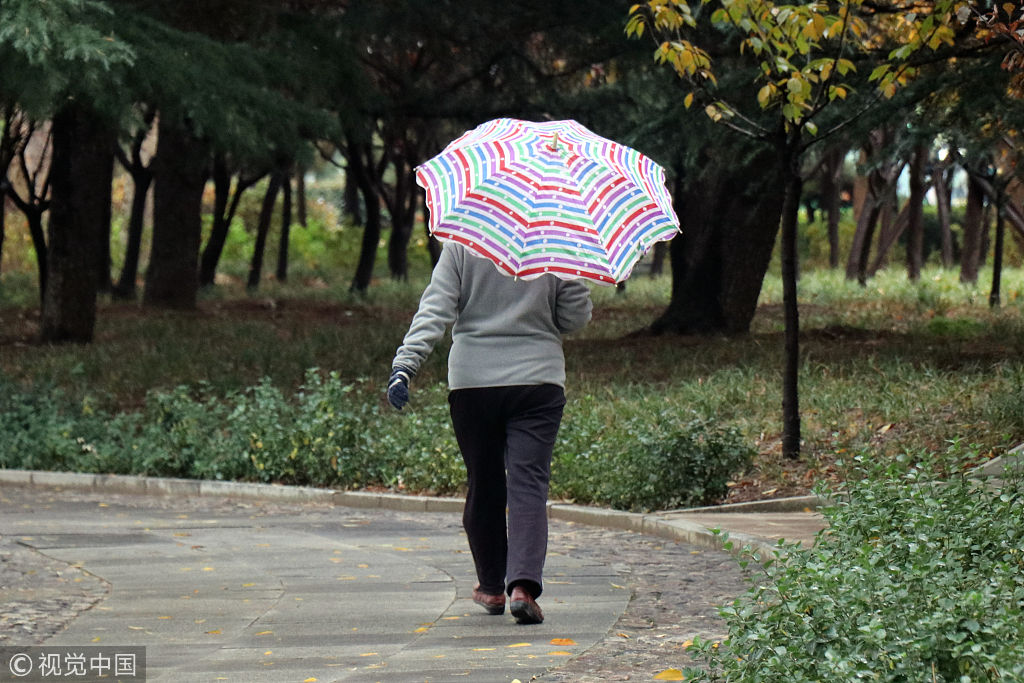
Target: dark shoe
524	608
494	604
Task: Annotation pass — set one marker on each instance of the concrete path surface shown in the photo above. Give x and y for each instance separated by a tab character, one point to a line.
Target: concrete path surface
243	589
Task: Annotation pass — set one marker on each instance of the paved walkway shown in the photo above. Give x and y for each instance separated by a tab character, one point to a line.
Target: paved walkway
263	585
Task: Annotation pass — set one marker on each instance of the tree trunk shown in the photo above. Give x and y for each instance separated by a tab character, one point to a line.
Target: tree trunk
34	218
889	239
222	218
719	261
3	222
658	254
286	227
831	201
360	172
790	269
915	214
82	166
351	198
125	288
994	296
102	247
262	229
970	255
433	245
300	197
403	215
943	208
179	176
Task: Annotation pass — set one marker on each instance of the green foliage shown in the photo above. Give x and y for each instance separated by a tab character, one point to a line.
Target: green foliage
920	578
51	49
330	434
648	462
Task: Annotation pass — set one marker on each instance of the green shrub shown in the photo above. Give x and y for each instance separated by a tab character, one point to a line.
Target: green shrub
648	462
920	578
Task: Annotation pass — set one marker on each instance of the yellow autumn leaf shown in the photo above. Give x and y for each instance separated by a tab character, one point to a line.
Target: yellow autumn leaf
563	641
559	653
518	645
96	639
265	633
670	675
311	679
215	632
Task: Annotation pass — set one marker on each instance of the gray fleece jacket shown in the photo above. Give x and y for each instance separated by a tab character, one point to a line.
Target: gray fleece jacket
506	331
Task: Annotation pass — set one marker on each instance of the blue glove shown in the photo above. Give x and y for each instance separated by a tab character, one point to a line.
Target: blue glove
398	386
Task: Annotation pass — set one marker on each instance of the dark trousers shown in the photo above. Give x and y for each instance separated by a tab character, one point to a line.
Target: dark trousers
507	435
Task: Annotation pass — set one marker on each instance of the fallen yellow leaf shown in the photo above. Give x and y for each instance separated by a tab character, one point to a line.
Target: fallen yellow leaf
518	645
563	641
670	675
96	639
215	632
560	653
265	633
311	679
688	643
484	649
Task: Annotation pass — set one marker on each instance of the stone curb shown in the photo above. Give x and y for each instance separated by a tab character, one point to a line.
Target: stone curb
653	524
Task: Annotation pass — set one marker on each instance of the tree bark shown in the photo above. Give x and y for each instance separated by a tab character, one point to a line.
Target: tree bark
831	189
82	167
943	204
300	197
3	222
180	172
360	172
36	202
263	229
286	228
718	262
225	206
970	255
125	287
790	270
403	212
915	214
994	296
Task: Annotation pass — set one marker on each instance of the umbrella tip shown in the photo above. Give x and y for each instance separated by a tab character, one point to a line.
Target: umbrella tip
554	144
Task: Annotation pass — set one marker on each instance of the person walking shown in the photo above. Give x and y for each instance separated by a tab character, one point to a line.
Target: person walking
506	381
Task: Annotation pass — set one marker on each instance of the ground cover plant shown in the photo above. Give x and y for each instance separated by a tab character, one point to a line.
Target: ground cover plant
891	367
919	578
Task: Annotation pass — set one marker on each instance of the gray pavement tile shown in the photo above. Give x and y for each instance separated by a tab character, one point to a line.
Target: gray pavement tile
271	591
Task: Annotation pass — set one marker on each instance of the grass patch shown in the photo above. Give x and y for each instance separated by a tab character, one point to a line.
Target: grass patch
891	368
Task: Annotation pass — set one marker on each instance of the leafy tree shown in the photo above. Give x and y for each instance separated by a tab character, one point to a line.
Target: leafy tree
58	61
804	54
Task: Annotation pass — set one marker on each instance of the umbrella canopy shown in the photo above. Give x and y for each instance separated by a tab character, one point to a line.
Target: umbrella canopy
548	197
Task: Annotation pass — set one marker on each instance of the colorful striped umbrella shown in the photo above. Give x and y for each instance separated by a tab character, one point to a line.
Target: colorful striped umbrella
548	197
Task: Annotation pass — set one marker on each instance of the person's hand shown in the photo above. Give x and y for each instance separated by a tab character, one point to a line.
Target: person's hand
398	387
